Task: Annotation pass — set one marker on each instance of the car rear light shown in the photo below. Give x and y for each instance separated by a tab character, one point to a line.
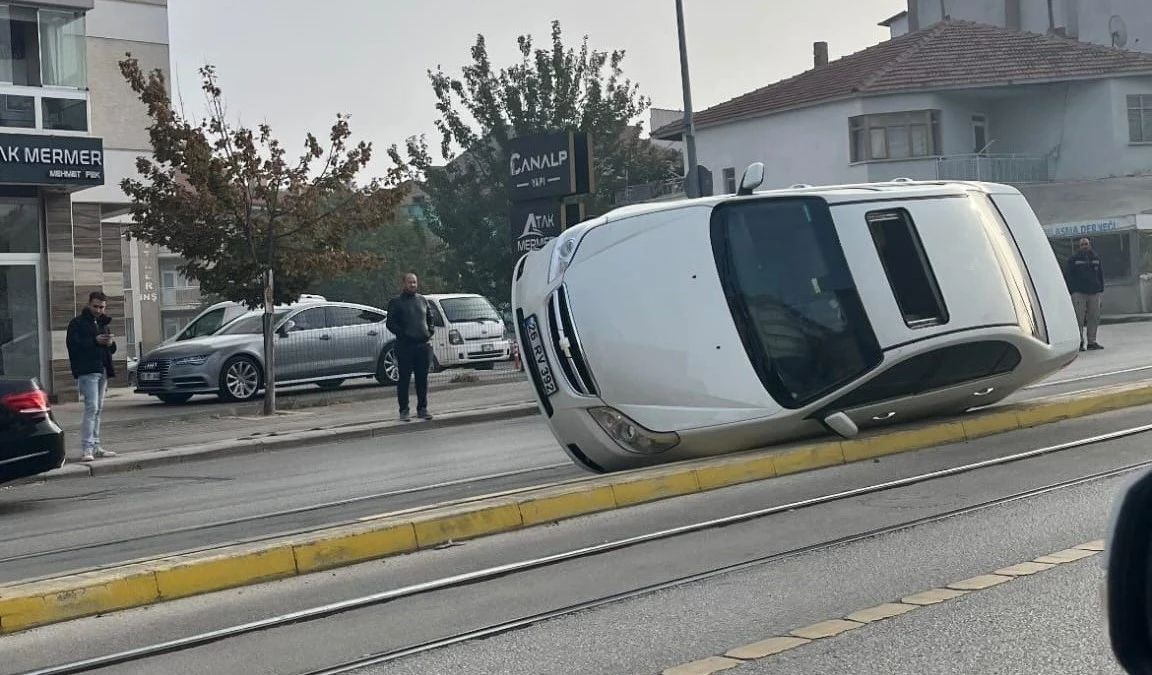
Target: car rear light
26	402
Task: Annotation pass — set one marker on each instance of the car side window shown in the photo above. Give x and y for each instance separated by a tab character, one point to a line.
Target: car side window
351	316
437	317
937	369
309	319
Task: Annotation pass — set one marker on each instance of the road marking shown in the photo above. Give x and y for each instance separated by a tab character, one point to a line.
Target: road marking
824	630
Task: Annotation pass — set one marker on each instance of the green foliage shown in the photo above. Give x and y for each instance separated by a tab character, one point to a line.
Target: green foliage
234	204
405	245
549	90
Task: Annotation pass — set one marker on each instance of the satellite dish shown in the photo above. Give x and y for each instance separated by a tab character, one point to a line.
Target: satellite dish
1119	31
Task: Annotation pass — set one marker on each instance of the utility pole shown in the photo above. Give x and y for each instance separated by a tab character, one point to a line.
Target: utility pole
692	179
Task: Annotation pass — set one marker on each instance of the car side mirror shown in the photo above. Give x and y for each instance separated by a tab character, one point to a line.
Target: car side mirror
286	327
1128	586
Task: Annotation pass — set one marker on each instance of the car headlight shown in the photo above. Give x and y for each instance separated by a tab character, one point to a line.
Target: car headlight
197	360
564	251
630	435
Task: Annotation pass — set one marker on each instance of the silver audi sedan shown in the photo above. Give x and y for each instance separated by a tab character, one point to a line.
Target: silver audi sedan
321	342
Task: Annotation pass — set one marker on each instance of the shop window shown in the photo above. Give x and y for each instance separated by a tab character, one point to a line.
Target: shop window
1115	251
19	228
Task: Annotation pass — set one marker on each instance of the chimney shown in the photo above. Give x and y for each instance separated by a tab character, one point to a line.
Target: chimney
820	54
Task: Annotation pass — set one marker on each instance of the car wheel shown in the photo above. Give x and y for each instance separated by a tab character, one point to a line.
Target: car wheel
240	379
330	384
174	399
387	369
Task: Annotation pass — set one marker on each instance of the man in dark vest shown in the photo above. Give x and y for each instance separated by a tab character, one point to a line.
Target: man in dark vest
1084	274
410	320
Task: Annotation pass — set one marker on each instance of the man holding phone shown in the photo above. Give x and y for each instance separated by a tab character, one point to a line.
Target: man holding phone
90	349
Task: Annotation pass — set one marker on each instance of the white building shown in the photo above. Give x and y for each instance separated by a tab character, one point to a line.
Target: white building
70	129
1068	122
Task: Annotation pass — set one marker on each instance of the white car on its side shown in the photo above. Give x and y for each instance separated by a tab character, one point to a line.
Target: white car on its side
675	330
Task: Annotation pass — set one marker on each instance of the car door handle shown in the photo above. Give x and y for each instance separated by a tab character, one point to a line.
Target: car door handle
373	333
985	392
325	337
885	416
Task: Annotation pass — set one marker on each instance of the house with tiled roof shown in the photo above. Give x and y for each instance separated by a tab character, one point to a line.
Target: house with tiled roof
1068	122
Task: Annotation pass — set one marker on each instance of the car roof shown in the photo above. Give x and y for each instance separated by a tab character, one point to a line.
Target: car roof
899	189
449	296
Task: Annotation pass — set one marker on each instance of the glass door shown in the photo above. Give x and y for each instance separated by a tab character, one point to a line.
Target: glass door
20	337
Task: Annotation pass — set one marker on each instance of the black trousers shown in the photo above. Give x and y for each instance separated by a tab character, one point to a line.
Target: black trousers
413	359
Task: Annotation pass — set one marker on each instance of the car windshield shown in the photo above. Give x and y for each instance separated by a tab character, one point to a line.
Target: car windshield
792	296
205	325
250	324
458	310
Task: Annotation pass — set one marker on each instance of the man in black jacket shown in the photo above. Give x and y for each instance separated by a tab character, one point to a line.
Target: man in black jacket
410	320
1084	274
90	350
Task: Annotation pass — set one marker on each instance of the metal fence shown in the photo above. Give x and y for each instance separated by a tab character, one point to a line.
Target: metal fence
1002	168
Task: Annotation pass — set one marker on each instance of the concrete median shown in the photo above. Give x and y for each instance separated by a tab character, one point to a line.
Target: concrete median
41	602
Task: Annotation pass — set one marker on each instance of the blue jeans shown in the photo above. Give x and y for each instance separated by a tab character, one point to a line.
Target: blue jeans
92	389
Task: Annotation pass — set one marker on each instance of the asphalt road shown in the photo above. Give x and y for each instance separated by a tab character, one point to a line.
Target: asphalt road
158	511
1045	624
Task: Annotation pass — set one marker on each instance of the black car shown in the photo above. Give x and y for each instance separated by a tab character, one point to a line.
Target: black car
31	442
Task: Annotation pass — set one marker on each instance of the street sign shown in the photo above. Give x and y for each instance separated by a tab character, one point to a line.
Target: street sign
550	166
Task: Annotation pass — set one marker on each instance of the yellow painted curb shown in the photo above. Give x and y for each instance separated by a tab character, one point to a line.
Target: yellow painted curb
37	603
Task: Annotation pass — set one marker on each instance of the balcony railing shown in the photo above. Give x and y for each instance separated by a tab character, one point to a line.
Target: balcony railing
180	298
637	194
995	168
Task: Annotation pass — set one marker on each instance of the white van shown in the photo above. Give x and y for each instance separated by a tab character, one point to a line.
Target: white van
470	333
675	330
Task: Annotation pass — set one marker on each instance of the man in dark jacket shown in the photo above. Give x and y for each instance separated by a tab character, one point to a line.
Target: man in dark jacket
90	350
410	320
1084	274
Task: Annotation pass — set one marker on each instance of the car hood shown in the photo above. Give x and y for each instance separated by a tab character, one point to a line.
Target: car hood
204	345
652	320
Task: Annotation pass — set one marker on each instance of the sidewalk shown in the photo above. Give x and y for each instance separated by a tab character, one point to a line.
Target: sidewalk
211	425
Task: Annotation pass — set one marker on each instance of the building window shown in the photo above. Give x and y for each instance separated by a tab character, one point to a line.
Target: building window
1140	119
905	135
63	49
17	111
43	47
730	181
65	114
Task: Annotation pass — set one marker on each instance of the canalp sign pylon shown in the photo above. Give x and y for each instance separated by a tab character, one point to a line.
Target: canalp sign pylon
544	172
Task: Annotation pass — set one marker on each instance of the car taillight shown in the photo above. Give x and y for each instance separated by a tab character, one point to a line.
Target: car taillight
26	402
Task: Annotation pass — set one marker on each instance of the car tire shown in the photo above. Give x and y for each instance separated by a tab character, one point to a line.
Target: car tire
174	399
330	384
241	379
387	370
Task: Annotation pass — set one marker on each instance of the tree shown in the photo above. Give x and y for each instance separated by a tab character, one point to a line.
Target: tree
556	89
405	245
251	223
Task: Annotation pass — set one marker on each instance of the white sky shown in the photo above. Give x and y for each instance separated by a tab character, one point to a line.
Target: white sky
297	64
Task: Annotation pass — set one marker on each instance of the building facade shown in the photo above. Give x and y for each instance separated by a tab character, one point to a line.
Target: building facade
70	130
1067	122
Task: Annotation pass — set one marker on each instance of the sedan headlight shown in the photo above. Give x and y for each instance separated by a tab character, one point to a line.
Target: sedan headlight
565	250
630	435
197	360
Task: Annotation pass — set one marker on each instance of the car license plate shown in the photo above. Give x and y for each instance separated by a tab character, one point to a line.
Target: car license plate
539	356
149	377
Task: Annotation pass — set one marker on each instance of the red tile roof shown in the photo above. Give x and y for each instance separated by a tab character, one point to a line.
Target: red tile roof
947	55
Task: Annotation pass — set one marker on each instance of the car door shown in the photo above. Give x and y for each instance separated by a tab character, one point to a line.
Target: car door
941	381
356	342
304	352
